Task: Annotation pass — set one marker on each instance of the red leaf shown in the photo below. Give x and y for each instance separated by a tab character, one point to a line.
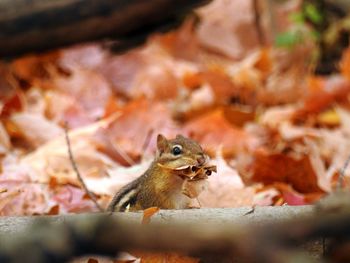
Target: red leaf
277	167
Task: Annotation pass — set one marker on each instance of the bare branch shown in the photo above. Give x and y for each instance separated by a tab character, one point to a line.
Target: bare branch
76	170
342	174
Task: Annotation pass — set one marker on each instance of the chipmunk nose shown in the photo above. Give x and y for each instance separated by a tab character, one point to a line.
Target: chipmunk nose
201	160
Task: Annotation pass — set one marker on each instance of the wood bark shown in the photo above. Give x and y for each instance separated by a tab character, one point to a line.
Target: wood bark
240	233
38	25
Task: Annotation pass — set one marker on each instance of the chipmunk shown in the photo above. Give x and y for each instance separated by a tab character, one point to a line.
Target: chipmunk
179	167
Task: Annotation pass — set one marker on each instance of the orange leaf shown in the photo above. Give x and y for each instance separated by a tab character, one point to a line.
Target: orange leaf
111	107
277	167
221	84
345	64
192	80
213	130
175	41
148	213
322	93
147	257
55	210
264	63
14	103
128	133
292	197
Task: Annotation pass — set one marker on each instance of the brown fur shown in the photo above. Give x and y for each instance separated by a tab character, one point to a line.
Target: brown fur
160	186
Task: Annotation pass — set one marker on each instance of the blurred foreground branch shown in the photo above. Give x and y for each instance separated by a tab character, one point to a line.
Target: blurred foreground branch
38	25
270	234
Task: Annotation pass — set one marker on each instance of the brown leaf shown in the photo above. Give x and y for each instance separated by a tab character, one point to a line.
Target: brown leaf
5	143
36	129
345	64
35	67
213	131
55	210
88	88
292	197
14	102
175	41
277	167
122	71
231	35
128	133
226	189
148	213
148	257
87	56
322	93
72	200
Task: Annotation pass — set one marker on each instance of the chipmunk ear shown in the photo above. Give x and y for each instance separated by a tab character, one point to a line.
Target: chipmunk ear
162	143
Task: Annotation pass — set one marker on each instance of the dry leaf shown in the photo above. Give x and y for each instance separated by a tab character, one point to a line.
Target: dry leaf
148	213
231	35
148	257
213	130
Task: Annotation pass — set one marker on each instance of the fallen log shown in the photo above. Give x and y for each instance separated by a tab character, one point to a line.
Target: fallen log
240	233
39	25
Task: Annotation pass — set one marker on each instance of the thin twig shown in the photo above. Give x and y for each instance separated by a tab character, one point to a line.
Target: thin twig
251	211
342	174
76	170
257	22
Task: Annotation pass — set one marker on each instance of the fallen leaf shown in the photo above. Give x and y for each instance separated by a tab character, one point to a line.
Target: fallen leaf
72	200
89	89
86	56
148	257
175	41
51	159
322	93
15	102
277	167
127	134
148	213
292	197
345	64
226	188
231	35
5	143
213	130
36	129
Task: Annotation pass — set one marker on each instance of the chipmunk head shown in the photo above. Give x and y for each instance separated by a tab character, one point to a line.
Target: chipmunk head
179	152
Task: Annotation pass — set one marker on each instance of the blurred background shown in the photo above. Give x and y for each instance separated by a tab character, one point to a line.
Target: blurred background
263	86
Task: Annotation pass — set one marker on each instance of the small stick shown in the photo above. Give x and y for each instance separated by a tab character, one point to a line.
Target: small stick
342	174
257	22
76	170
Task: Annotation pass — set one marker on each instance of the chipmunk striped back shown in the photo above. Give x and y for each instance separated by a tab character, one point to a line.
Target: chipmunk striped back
126	197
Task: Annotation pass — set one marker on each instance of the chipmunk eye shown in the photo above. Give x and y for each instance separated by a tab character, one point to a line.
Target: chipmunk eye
177	149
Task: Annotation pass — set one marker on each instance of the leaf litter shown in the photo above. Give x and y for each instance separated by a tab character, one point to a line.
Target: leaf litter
277	133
